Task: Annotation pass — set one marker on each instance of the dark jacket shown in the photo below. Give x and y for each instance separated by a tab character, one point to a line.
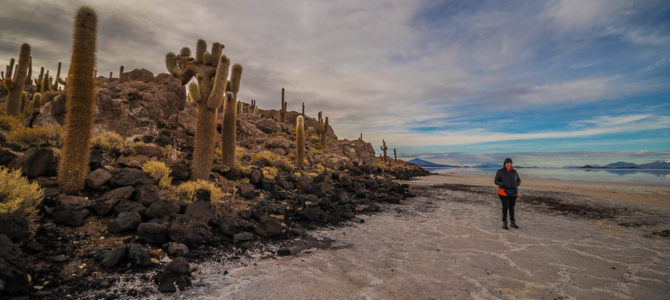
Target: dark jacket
507	179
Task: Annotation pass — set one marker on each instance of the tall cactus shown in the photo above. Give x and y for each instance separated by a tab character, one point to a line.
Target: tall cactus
15	85
282	111
211	71
300	142
80	103
55	84
395	155
303	109
120	74
383	148
229	126
29	77
319	128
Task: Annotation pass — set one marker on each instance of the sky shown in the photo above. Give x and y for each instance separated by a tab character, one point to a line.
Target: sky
460	82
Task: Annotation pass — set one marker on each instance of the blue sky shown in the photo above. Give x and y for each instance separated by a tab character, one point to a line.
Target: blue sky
429	77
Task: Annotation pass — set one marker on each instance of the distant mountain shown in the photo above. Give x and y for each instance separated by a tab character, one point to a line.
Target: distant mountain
659	164
485	166
621	164
428	164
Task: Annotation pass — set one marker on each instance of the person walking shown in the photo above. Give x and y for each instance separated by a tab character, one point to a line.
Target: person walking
508	181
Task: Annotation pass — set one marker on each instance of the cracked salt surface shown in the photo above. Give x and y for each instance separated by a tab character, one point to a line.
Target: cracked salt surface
447	244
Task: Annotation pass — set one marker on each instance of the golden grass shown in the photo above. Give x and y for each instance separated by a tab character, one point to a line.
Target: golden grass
159	171
37	136
186	190
18	196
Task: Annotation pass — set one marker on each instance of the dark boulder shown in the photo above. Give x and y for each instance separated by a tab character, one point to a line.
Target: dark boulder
14	227
139	256
153	233
124	221
98	179
146	194
189	231
162	208
268	227
203	211
247	190
243	237
70	210
175	276
128	205
177	249
130	176
115	257
13	270
105	203
36	162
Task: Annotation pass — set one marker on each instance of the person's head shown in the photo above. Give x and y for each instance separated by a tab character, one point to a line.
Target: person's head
508	163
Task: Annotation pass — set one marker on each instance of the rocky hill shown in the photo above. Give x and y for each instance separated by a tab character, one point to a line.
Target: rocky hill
126	218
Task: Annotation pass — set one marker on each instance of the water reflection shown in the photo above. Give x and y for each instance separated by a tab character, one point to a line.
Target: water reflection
616	175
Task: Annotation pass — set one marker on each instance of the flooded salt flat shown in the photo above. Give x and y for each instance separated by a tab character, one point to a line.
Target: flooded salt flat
448	244
653	176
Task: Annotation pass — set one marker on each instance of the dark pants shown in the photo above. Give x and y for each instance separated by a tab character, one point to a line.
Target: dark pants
507	205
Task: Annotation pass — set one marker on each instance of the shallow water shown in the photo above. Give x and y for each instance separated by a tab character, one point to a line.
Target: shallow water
606	175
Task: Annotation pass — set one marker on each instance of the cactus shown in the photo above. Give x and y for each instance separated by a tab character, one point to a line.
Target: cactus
228	126
45	85
80	103
14	85
120	74
300	142
10	68
55	83
282	111
211	72
37	101
383	148
395	155
38	81
29	77
24	101
361	137
253	105
303	109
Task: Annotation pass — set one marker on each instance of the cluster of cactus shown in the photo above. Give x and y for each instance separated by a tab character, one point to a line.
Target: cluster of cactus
282	111
80	103
229	128
211	71
14	81
361	137
323	129
300	142
383	148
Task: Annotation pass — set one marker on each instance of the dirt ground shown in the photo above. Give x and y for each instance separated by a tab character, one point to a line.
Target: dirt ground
447	243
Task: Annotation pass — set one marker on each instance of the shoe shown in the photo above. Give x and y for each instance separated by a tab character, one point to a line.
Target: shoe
505	225
513	224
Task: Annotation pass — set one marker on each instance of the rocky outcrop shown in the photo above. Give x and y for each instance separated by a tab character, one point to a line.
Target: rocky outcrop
140	104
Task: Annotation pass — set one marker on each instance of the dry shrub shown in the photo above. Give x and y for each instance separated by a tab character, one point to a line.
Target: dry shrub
159	171
18	196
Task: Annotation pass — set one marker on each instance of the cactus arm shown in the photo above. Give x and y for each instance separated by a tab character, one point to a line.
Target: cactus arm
200	49
194	92
216	97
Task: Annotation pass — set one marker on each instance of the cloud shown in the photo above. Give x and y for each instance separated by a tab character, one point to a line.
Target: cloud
413	72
